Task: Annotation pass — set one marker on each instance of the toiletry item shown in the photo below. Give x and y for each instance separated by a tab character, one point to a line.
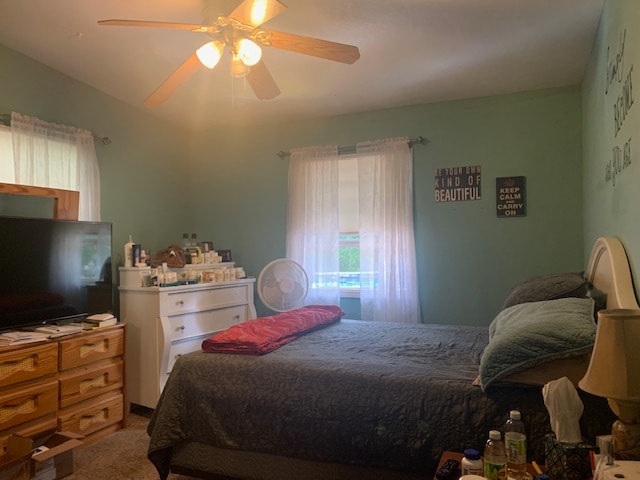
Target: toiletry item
128	253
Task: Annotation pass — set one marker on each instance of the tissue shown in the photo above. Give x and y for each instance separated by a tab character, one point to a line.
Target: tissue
565	409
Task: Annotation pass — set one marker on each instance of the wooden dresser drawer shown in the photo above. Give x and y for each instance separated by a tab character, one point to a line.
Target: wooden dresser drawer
203	299
88	417
81	383
207	322
83	349
35	429
25	403
28	363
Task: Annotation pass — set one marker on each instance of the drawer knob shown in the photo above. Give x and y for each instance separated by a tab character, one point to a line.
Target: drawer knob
87	420
89	348
26	364
236	317
181	327
97	382
9	411
180	302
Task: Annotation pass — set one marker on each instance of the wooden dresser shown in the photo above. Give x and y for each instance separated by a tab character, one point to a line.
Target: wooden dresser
73	383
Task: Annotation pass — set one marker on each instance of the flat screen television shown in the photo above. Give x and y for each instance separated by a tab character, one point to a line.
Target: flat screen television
53	271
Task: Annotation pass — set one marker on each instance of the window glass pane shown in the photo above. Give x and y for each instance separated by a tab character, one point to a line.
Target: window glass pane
348	194
349	260
7	173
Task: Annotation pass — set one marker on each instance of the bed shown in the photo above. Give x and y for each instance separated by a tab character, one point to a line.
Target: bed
358	399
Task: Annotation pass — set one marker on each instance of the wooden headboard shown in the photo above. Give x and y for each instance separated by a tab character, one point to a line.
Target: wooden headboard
609	272
65	205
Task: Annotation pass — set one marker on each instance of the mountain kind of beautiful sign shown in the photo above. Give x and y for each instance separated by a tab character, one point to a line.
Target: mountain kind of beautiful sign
453	184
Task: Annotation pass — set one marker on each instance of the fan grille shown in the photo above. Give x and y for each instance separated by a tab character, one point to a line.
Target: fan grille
282	285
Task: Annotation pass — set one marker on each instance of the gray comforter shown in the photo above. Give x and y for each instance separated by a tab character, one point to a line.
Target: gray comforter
376	394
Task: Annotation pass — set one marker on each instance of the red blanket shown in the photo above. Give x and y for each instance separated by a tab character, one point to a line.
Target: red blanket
265	334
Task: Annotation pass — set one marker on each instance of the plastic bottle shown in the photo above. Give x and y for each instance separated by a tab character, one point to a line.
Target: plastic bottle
515	440
128	253
495	457
471	463
194	250
185	247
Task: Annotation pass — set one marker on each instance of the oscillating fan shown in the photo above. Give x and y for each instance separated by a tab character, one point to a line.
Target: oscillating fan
282	285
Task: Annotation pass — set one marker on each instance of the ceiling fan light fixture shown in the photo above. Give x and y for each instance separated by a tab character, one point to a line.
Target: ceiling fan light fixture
238	68
241	32
210	53
249	52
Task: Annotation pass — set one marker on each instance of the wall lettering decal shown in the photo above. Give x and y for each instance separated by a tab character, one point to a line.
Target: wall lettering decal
620	82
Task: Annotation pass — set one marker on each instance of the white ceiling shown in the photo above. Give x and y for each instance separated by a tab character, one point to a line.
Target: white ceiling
412	51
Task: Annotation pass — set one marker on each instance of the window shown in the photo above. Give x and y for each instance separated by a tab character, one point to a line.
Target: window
7	172
350	225
33	152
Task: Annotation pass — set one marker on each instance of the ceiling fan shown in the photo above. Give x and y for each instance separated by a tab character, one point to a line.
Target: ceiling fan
243	34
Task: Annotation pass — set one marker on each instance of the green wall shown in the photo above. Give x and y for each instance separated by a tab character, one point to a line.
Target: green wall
611	202
467	257
142	170
229	186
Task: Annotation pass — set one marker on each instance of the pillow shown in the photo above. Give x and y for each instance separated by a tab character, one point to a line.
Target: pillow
528	334
547	287
600	299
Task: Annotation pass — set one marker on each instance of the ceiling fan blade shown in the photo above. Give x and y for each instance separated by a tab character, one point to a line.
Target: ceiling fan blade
262	83
338	52
173	82
194	27
257	12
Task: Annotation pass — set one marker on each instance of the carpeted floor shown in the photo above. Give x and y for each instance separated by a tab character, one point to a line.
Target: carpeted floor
120	456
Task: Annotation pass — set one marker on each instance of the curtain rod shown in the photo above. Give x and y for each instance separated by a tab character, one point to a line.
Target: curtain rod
351	149
5	119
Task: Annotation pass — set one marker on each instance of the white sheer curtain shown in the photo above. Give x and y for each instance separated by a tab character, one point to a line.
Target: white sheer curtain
57	156
388	279
387	244
312	220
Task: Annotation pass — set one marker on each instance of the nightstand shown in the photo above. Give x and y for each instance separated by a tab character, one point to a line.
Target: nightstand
448	455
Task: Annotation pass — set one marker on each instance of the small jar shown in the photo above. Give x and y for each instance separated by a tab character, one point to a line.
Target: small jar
471	463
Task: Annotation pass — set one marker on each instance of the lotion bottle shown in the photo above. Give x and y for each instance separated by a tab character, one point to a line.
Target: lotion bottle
128	253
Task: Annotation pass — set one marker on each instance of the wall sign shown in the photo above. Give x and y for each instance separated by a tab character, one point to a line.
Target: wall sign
453	184
511	198
619	82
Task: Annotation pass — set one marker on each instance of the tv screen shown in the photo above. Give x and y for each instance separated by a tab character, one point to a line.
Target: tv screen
52	271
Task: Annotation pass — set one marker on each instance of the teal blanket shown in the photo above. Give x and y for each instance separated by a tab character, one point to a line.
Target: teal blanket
527	334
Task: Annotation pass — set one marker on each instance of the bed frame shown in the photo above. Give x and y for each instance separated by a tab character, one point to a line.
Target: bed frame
608	270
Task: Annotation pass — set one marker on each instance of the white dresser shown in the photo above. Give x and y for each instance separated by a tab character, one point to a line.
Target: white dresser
166	322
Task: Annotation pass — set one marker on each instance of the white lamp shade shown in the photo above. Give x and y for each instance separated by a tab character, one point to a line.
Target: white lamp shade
614	368
210	53
249	52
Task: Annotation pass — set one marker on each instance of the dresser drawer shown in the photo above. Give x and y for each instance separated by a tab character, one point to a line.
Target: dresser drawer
91	380
83	349
25	403
195	300
89	417
207	322
37	428
28	363
182	348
